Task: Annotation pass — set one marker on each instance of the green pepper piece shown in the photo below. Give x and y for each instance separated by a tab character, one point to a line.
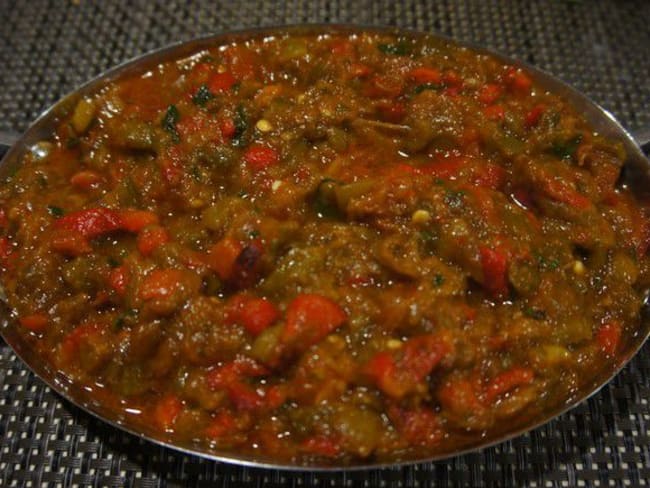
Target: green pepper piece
325	202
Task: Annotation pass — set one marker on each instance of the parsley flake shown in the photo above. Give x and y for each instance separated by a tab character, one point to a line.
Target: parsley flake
169	122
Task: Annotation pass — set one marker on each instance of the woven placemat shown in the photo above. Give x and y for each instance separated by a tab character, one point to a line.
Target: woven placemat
47	48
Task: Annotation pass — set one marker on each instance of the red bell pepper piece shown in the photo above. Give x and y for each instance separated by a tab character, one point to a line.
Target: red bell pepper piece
150	238
6	250
419	426
86	180
72	343
490	93
489	175
459	396
36	323
118	279
392	111
360	70
222	256
200	73
507	381
235	371
561	191
518	81
382	370
258	157
227	128
274	396
534	115
495	266
167	410
425	75
447	168
495	112
321	446
230	377
405	168
171	164
253	313
244	397
191	125
243	63
342	48
222	425
452	79
70	244
135	220
399	372
380	86
91	222
609	337
161	283
310	318
220	82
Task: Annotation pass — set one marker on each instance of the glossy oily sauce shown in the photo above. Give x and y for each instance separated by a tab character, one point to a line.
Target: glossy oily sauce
325	249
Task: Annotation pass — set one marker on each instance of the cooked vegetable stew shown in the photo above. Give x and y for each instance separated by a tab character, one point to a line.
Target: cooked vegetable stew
325	248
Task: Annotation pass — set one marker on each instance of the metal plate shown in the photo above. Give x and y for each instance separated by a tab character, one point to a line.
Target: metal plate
46	440
637	171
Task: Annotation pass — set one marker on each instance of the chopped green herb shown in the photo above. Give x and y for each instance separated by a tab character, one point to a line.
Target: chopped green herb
544	263
566	149
400	48
125	319
455	198
202	96
254	234
427	86
241	124
196	173
169	123
535	313
438	280
112	262
55	211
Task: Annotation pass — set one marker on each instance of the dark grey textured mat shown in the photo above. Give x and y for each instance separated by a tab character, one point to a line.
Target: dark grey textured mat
48	48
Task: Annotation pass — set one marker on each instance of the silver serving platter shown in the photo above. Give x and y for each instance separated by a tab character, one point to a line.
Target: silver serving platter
637	177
